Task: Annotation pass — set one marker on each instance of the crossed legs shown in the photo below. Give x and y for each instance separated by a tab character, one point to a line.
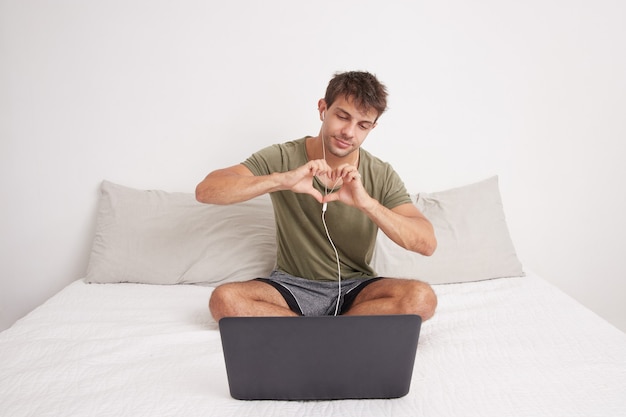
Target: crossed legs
385	296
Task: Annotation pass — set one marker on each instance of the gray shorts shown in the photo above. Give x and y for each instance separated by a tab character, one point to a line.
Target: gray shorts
316	298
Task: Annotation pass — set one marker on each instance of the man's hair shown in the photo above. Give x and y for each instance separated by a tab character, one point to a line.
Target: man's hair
362	87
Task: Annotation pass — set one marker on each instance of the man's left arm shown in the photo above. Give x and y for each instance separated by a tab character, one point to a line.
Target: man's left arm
405	225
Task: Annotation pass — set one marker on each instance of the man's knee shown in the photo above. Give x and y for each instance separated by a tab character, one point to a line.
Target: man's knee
419	298
427	298
221	298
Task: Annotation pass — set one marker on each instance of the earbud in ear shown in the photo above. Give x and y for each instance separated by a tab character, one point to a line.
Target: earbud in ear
323	115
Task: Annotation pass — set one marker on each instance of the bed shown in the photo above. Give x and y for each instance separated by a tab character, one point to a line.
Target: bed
134	336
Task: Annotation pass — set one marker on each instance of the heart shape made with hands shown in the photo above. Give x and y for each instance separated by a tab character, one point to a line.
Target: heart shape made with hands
334	184
332	180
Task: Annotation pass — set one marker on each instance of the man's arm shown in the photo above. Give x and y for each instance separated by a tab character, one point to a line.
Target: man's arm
237	183
405	225
233	185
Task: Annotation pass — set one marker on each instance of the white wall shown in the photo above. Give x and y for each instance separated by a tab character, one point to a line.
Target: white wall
155	94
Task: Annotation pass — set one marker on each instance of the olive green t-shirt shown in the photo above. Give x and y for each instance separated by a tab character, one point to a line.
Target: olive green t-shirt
303	247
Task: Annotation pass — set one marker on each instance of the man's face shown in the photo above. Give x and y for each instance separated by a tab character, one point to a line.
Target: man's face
346	126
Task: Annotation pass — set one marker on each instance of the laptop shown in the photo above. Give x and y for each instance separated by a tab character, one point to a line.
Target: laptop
319	358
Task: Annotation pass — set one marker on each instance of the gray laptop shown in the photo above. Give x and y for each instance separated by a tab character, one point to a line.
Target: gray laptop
319	358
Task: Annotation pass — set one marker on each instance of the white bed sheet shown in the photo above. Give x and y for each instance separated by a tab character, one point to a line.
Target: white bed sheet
506	347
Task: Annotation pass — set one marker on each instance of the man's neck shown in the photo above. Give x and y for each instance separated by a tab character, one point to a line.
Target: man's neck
315	150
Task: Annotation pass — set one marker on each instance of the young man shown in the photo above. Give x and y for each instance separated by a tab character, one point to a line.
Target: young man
330	197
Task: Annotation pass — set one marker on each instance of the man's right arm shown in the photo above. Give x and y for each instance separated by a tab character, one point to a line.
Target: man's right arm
237	183
233	185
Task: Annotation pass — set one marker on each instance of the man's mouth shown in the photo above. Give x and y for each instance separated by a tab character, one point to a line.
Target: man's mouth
343	143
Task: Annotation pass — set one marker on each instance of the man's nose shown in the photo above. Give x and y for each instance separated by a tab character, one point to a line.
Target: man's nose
348	130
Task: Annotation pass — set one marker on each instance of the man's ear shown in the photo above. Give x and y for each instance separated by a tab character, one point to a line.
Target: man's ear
321	107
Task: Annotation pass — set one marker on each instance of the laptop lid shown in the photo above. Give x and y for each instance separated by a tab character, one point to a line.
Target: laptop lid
319	358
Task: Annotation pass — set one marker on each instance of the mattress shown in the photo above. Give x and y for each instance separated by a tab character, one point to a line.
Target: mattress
510	346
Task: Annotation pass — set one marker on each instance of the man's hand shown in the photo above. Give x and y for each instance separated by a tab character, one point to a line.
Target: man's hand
352	191
300	180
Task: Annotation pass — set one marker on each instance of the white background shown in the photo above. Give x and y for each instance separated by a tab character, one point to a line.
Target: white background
155	94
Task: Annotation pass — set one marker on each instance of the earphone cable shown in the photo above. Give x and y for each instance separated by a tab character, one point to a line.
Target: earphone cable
324	208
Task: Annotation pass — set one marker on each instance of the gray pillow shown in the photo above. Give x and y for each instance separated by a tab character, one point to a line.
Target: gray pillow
156	237
473	240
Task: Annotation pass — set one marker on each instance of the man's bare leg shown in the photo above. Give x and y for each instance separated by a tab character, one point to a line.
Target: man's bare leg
249	298
395	296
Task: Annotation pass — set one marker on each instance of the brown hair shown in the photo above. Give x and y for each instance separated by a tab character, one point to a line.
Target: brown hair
363	87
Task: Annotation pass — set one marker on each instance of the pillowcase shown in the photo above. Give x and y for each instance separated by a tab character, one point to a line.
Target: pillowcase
156	237
473	240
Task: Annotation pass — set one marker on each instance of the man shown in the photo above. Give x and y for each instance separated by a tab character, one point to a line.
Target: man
330	197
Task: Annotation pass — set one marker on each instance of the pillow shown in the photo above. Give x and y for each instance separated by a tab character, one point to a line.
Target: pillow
156	237
473	241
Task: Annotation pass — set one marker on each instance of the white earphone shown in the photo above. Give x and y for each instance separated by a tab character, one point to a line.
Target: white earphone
330	240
